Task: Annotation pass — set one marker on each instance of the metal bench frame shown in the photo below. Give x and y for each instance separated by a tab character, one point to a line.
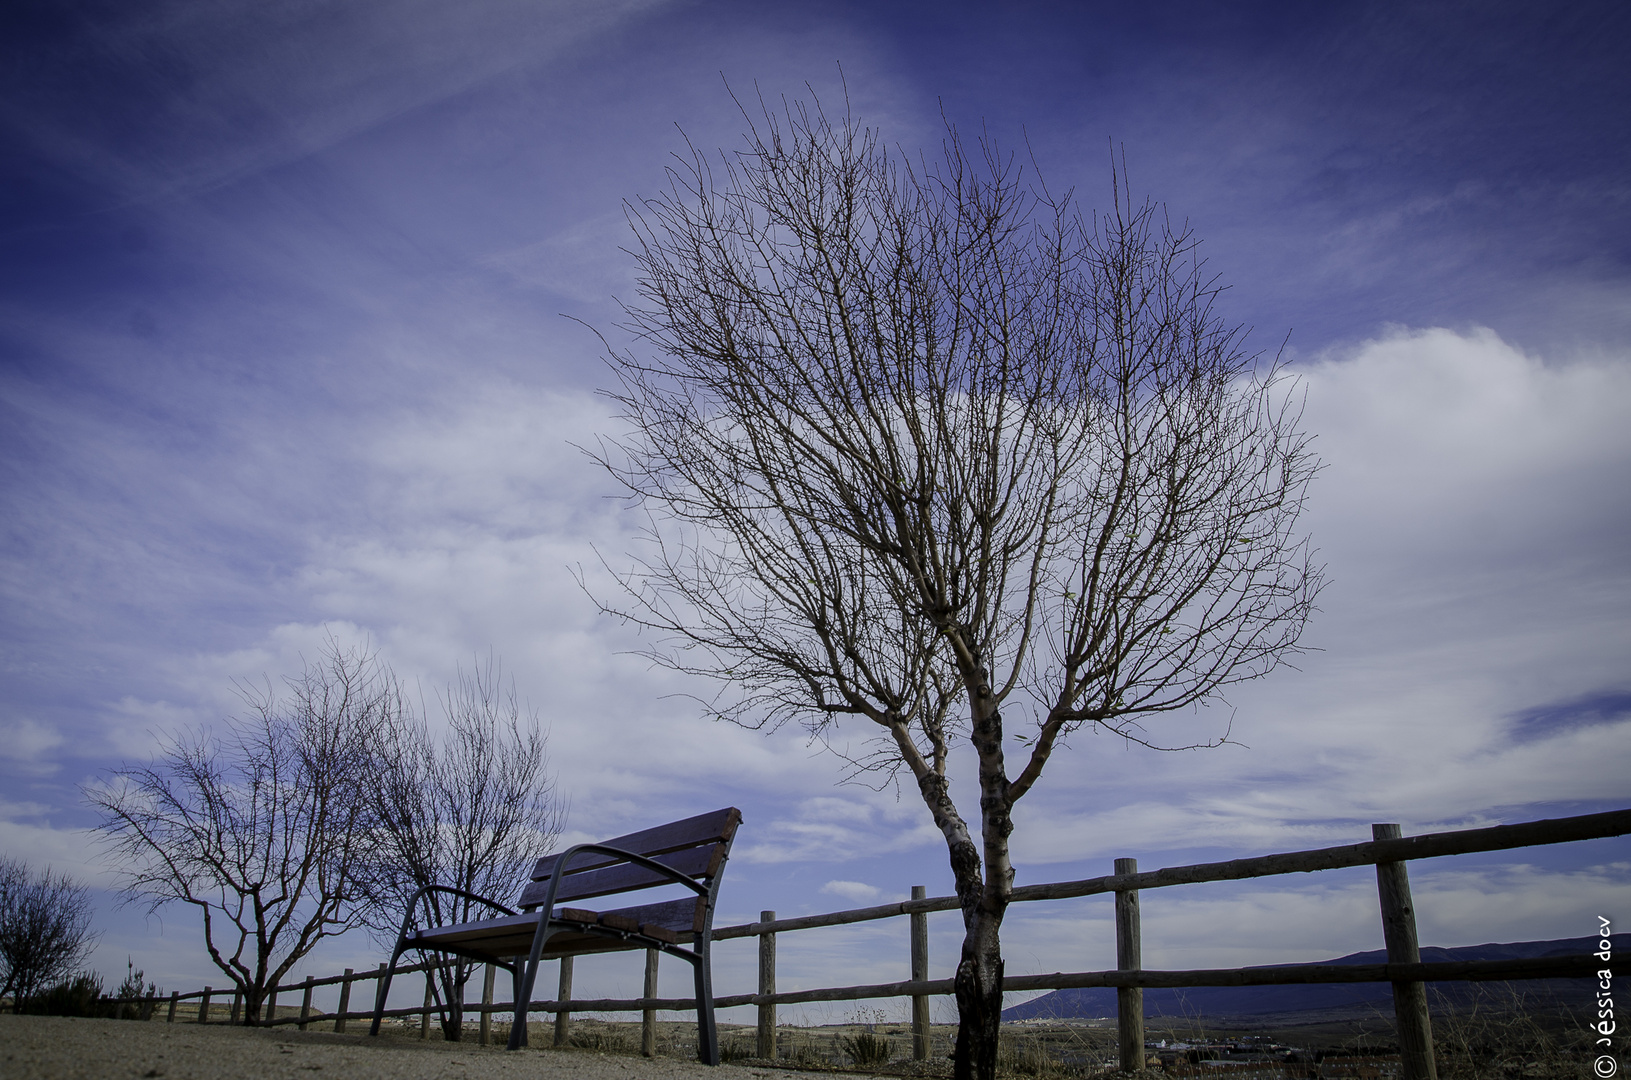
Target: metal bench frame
586	926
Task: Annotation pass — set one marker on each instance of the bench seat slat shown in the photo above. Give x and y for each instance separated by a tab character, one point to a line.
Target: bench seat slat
683	916
673	921
505	946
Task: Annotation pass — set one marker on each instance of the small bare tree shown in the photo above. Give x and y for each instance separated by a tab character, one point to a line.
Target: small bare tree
264	828
458	817
925	447
45	930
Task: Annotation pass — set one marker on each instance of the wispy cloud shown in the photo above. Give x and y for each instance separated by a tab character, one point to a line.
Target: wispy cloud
280	357
208	95
27	743
857	891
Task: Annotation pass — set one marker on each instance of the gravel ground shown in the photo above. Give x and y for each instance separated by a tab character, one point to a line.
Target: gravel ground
67	1048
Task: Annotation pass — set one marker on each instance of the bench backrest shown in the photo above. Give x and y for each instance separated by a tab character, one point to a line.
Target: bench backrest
696	847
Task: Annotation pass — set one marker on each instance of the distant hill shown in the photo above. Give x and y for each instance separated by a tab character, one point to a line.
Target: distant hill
1249	1000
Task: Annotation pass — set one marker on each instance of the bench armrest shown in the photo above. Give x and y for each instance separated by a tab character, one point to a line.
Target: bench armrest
424	890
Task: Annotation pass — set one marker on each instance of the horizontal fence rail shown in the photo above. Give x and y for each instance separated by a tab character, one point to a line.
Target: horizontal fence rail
1550	967
1426	846
1388	854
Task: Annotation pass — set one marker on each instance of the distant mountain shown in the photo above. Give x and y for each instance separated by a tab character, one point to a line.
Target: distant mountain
1250	1000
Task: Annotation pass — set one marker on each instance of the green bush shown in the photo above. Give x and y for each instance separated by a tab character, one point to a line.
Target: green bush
606	1042
78	996
864	1048
133	987
1026	1055
736	1049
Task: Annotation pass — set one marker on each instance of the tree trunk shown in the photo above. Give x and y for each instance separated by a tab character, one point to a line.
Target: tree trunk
453	1023
254	998
979	1002
985	896
453	978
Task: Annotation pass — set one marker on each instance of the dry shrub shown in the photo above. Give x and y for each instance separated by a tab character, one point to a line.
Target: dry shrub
865	1048
1498	1032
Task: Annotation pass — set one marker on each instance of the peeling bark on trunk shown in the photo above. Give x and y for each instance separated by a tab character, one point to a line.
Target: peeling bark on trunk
978	982
984	896
979	1004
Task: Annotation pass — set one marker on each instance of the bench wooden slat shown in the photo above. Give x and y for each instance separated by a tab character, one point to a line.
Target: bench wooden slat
696	862
672	921
504	941
683	916
509	936
505	925
575	914
709	828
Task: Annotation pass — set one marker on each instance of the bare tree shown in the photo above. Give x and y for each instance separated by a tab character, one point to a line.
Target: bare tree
925	447
263	829
45	930
459	817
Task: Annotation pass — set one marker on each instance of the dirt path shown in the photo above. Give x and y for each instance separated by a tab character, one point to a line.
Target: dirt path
65	1048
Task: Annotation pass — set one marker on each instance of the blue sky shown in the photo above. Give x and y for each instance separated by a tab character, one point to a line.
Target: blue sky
282	349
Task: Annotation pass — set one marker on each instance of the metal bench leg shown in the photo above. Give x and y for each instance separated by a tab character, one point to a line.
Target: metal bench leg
518	1028
707	1033
384	988
525	996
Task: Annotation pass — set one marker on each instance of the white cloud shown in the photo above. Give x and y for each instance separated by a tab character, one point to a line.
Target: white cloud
460	522
829	828
26	833
858	891
1473	514
1445	445
28	744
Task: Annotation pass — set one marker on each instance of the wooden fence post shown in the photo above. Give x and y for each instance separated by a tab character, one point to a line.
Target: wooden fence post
920	973
204	1006
648	1017
305	1005
1129	957
237	1006
271	1005
345	1003
767	985
1409	998
486	1004
175	999
430	991
563	1019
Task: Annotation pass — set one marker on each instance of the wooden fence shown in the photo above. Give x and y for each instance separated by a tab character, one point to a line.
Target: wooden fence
1388	851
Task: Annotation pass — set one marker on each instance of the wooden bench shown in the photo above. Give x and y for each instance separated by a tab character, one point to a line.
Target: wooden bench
689	853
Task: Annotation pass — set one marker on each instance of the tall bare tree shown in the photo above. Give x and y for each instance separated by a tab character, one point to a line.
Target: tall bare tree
45	930
264	828
923	446
460	816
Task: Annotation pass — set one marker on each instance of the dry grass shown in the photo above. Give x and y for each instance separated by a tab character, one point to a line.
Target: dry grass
1497	1034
